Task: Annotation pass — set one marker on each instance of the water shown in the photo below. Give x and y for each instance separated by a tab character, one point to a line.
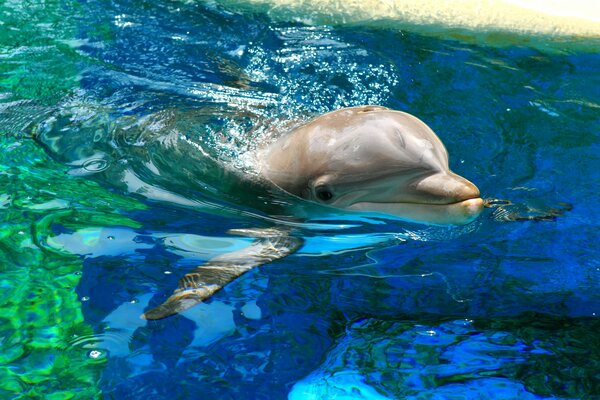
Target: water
117	197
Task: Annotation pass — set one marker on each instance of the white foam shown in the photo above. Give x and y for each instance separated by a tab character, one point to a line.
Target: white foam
547	17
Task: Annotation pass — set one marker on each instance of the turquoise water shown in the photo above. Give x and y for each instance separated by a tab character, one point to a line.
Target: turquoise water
121	124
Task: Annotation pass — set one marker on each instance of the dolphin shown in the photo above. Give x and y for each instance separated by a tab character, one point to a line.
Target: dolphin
371	158
358	159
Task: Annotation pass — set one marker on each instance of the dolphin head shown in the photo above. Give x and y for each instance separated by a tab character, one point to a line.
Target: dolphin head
373	159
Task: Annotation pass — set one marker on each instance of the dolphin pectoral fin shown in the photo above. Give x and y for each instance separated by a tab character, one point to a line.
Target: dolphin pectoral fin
507	211
194	288
205	280
180	300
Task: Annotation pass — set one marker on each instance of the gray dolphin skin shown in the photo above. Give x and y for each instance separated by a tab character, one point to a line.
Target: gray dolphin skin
374	159
366	159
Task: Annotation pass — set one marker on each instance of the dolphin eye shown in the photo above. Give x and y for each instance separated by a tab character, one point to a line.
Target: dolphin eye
323	194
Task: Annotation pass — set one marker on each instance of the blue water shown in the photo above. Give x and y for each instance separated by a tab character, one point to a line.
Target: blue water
170	97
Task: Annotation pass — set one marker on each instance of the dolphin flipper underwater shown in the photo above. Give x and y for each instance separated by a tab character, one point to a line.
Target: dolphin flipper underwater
201	283
360	159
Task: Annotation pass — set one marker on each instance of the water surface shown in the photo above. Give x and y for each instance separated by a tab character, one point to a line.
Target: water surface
124	126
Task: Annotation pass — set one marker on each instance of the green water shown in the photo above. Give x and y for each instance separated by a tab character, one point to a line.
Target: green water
41	312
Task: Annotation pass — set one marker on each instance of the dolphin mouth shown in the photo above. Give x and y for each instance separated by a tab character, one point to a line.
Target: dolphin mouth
455	213
443	188
442	198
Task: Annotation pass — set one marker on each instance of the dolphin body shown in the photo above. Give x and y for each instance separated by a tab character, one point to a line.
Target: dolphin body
367	159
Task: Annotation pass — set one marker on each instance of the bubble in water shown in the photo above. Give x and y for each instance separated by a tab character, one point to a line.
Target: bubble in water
463	322
95	354
95	165
98	136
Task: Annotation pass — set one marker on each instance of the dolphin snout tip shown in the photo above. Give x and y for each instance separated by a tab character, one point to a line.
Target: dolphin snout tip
457	188
468	191
447	188
471	209
474	206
